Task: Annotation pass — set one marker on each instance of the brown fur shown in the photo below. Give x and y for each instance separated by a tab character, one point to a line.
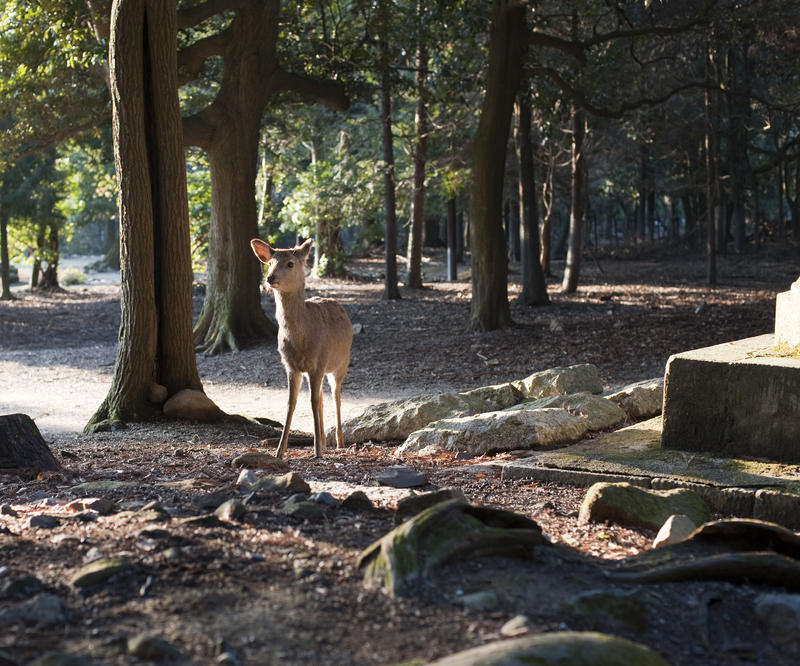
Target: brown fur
314	338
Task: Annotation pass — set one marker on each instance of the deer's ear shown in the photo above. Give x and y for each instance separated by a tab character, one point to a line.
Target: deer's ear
305	247
262	250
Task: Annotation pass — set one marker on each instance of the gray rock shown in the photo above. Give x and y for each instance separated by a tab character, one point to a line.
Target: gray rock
485	600
43	610
101	505
152	648
289	482
780	616
562	648
326	499
497	431
104	485
632	506
676	528
247	477
231	509
43	521
302	509
412	504
581	378
641	400
600	413
400	477
99	571
204	520
209	501
357	501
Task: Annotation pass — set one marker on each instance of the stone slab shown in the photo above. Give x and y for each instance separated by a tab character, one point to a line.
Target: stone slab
787	317
736	399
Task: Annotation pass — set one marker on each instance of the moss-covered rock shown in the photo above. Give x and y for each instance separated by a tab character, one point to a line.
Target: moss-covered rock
630	505
444	532
561	648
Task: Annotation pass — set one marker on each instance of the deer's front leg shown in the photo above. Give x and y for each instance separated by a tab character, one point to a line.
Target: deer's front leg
315	387
293	379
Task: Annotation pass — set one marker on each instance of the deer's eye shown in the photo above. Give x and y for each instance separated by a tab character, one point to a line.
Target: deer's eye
290	264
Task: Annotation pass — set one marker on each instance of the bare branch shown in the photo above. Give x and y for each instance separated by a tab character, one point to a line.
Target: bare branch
192	57
330	93
192	16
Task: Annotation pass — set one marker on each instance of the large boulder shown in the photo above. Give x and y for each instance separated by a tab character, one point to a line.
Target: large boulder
560	648
637	507
396	420
497	431
642	400
545	423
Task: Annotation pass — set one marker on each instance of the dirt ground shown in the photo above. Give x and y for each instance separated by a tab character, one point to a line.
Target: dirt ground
275	590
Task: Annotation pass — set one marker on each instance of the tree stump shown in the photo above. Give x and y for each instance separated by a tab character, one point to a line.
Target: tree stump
22	448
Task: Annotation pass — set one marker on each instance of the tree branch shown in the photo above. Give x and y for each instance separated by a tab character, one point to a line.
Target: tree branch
330	93
192	16
192	57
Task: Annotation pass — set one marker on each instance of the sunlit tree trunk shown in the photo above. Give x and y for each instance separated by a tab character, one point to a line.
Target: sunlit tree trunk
155	338
5	276
576	216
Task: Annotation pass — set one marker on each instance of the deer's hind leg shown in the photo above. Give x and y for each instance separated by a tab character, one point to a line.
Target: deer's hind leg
293	379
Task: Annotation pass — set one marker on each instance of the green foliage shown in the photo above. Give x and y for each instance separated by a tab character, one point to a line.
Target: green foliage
198	183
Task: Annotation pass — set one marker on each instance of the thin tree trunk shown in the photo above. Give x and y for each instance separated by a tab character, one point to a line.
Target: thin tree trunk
547	204
415	235
576	217
711	247
452	241
5	276
534	287
390	290
489	308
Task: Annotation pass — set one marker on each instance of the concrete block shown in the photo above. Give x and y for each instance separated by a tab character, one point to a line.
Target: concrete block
734	399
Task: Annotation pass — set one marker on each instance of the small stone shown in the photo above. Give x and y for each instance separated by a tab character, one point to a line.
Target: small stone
210	501
302	509
8	510
357	501
101	505
400	477
152	648
412	504
259	460
326	499
158	393
43	521
228	658
231	509
99	571
289	482
518	625
677	528
43	610
247	477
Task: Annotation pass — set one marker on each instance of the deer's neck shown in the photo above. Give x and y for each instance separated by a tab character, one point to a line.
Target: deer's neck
290	309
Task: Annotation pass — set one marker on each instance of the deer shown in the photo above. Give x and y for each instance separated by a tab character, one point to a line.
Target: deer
314	338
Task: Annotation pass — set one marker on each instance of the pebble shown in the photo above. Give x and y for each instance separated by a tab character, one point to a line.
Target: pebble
357	501
43	610
324	498
400	477
247	477
231	509
152	648
99	571
24	586
8	510
516	626
43	521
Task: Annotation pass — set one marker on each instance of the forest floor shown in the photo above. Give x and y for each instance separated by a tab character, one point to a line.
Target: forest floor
274	590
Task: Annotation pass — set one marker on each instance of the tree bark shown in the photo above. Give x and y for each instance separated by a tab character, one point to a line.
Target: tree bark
569	283
390	288
5	267
155	338
22	447
489	306
534	287
711	178
414	279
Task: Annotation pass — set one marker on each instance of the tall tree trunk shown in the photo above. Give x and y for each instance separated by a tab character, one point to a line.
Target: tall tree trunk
576	216
155	338
49	277
390	288
711	242
534	287
414	256
489	306
452	240
5	267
